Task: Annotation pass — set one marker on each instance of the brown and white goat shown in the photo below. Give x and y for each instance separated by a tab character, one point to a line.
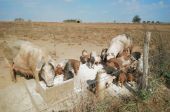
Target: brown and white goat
69	68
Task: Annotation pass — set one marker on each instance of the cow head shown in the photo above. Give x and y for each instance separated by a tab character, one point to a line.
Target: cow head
46	72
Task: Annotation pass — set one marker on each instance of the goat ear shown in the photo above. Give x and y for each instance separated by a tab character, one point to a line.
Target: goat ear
58	65
39	65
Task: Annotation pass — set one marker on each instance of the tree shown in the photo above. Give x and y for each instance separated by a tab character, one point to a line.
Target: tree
157	22
144	22
148	22
72	21
19	20
136	19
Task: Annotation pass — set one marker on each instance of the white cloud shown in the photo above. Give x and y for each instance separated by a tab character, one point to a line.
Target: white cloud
162	4
135	6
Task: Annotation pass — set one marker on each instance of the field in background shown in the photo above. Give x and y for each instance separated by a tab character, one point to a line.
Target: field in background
67	40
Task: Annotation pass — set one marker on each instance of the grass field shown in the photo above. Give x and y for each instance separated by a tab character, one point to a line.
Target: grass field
67	40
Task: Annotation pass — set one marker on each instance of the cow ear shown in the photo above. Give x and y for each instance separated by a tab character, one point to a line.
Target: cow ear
39	65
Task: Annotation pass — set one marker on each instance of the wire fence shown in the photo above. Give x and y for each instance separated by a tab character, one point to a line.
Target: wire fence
72	96
159	62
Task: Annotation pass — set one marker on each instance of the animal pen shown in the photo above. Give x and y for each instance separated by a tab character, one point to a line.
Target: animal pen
67	96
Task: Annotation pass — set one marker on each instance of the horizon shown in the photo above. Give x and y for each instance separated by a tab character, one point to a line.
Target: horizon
89	11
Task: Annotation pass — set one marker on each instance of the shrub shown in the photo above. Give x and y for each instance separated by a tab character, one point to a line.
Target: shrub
72	21
136	19
144	94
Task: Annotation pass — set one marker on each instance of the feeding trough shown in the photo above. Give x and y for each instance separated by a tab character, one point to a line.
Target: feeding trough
58	91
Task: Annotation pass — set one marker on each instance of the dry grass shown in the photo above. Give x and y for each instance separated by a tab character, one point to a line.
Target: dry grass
73	35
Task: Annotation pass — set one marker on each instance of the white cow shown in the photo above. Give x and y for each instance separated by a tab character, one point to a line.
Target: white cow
117	45
32	61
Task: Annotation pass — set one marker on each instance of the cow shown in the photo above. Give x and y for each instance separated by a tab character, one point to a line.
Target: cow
117	45
69	68
31	61
94	59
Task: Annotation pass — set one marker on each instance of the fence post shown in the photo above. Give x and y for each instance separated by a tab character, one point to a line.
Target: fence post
145	61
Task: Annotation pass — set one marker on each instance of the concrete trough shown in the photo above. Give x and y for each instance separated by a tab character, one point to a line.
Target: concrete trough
59	91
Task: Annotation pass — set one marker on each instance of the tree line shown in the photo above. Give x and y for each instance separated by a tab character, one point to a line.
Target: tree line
137	19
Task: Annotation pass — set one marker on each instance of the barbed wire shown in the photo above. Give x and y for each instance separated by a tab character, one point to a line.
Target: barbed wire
151	59
105	78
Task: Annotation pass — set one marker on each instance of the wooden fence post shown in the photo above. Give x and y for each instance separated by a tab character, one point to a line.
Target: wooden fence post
144	83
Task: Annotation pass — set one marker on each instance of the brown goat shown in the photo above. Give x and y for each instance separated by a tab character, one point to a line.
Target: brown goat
84	57
113	62
121	78
75	64
130	77
59	70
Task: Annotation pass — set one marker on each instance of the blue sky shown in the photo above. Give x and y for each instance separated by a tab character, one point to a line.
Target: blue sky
86	10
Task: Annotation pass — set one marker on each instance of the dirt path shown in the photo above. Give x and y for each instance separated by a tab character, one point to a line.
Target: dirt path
15	98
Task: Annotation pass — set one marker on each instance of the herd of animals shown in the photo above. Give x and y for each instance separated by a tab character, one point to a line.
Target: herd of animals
122	62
